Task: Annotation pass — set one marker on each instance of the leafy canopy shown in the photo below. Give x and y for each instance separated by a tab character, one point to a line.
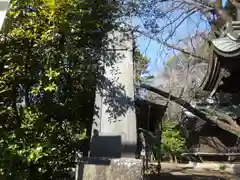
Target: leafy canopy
51	53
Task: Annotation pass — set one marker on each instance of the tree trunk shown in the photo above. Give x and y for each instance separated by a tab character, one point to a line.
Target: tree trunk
190	108
175	159
170	158
159	166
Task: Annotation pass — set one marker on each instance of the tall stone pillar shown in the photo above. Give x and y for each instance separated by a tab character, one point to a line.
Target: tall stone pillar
3	10
114	127
238	14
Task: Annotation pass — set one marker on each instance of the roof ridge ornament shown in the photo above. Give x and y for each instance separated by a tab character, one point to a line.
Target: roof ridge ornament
224	55
228	44
233	30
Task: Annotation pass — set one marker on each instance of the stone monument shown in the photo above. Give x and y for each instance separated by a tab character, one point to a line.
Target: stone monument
114	127
4	4
114	130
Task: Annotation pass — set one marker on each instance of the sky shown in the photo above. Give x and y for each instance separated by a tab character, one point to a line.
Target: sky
160	54
155	51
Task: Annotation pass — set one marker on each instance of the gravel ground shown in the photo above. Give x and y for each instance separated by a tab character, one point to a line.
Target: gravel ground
175	172
183	176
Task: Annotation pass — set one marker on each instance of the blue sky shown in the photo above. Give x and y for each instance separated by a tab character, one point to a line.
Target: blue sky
158	53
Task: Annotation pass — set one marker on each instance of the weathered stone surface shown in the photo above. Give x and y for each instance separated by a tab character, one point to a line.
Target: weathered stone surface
3	9
111	169
114	127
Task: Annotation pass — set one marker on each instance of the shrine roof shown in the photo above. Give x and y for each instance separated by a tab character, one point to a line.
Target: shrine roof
228	44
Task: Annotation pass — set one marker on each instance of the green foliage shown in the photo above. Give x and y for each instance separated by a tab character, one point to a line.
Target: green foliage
51	53
141	64
169	141
172	141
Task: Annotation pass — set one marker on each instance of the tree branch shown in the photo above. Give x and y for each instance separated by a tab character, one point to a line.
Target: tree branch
224	117
169	45
235	3
196	112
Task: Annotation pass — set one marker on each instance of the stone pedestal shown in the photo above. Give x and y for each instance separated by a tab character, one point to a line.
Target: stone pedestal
110	169
114	127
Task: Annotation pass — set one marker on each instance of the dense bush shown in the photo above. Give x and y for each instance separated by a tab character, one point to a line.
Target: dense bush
173	143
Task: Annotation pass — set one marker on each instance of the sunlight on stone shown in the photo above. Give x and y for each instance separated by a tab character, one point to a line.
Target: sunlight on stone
3	9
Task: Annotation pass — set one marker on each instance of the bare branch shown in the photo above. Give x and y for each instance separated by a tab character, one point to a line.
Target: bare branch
196	112
191	12
169	45
221	12
235	3
224	117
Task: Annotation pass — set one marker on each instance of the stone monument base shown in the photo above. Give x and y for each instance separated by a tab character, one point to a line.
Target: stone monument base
110	169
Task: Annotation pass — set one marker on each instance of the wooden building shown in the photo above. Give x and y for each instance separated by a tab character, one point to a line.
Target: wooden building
221	80
148	117
207	142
